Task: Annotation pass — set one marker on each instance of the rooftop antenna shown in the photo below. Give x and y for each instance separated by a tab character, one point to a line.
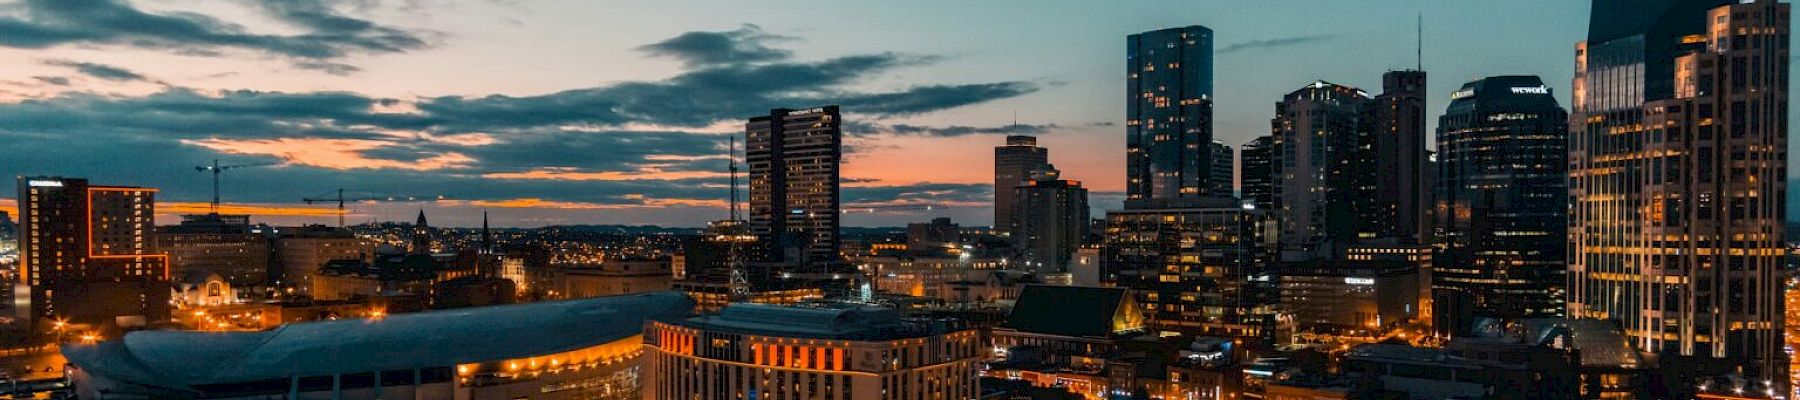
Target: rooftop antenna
731	158
1420	50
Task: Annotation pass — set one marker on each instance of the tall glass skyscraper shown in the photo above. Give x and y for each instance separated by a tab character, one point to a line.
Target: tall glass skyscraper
1501	154
1678	183
794	202
1168	117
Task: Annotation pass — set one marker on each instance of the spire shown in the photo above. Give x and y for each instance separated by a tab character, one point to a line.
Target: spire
421	238
487	238
1419	51
421	223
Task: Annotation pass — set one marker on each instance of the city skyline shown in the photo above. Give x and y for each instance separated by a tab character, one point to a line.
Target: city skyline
915	109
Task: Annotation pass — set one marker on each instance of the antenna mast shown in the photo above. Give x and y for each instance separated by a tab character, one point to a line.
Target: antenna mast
731	158
1420	50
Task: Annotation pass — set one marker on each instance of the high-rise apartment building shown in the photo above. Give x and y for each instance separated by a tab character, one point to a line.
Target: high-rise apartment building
1257	184
87	255
1678	182
1502	155
794	201
1053	221
1013	164
1203	270
1168	119
1316	130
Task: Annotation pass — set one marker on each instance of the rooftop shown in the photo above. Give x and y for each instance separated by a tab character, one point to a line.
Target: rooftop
181	360
837	321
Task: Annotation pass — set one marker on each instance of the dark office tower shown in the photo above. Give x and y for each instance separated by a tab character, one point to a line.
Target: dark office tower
86	255
1392	177
1221	170
1053	218
1502	156
1677	180
1316	166
1256	184
793	157
1168	121
1013	164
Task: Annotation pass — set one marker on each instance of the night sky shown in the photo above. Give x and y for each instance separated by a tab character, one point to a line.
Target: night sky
585	112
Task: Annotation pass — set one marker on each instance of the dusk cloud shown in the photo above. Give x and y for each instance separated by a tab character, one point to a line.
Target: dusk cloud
631	144
1262	44
744	45
50	23
101	71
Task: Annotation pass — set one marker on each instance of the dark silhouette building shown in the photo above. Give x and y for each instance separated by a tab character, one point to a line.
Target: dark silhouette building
1678	182
794	200
1053	220
1316	169
1392	176
1168	119
1013	164
1502	157
1257	184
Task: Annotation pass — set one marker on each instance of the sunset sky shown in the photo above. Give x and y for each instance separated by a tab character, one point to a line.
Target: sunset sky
552	112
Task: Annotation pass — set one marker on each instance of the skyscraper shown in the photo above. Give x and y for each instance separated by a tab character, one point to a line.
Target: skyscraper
1053	220
1316	169
794	157
1221	170
1013	164
86	255
1392	178
1256	184
1677	180
1502	153
1168	118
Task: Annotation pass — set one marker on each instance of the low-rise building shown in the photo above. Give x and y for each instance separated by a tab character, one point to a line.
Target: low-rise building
819	351
587	349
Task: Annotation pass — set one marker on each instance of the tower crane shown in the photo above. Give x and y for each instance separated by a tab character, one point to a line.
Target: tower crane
220	169
892	207
340	199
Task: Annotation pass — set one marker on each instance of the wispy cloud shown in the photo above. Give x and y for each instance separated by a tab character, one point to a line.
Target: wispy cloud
1265	44
101	71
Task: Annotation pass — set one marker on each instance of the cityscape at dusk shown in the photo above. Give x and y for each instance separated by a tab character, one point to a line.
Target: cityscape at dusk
1062	200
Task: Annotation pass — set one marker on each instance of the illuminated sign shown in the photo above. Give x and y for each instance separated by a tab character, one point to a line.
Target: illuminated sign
42	183
1539	89
807	111
1359	281
1462	94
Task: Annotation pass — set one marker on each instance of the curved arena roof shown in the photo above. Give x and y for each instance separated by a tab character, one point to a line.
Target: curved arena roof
180	360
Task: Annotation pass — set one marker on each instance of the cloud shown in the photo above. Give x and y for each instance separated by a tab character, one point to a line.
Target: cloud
870	129
1263	44
53	80
645	146
328	35
744	45
101	71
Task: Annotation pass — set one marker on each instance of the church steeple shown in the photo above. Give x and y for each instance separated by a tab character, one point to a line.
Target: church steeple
421	238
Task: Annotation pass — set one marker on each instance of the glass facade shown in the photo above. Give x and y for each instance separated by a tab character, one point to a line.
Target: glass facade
1168	118
1501	154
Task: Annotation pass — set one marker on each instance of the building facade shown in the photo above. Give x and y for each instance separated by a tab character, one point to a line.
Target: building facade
1502	154
1315	130
794	201
1678	182
1013	165
1052	217
217	244
1197	270
751	351
300	252
87	255
1392	173
1256	186
1168	119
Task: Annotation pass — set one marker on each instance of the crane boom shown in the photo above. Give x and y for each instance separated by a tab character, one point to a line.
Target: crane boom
219	169
340	200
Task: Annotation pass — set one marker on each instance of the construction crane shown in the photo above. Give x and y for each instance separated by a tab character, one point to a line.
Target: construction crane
340	199
220	169
892	207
